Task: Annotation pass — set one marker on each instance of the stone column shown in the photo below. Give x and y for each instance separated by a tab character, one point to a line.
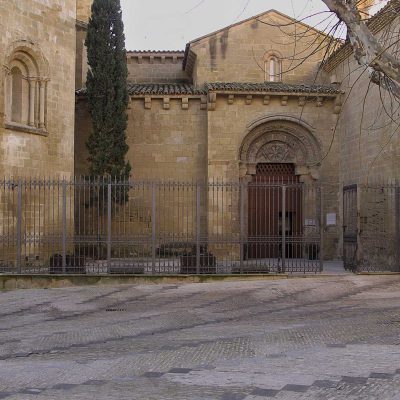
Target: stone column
42	89
32	93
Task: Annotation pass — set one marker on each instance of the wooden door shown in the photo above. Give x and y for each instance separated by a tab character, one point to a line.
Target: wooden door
265	217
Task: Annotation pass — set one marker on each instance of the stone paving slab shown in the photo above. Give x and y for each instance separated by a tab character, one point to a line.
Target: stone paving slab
325	338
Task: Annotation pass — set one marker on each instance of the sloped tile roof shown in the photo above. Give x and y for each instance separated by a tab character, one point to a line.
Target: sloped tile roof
171	89
272	87
164	89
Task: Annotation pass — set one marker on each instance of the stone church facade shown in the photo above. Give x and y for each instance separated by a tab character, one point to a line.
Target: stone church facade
230	102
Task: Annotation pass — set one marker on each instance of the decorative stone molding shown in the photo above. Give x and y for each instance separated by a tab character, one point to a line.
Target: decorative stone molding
338	105
279	118
267	100
185	103
147	103
276	152
166	104
155	57
284	100
281	141
26	109
212	101
27	129
302	101
231	99
249	99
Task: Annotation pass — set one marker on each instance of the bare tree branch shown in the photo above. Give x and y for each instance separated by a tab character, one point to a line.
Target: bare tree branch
381	64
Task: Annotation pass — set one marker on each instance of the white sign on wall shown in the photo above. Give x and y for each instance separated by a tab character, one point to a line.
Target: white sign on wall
331	219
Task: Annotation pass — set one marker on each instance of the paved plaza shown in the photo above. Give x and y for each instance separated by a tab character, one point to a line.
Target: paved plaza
320	338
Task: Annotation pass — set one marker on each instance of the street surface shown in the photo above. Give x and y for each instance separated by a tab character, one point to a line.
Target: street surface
320	338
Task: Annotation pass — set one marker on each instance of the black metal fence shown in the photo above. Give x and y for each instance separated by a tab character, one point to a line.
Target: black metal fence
371	239
95	226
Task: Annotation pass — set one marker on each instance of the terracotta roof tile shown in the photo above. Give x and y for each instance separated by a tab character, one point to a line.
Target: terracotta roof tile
272	87
164	89
171	89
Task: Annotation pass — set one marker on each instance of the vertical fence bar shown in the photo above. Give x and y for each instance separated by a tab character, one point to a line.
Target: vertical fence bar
64	226
321	230
19	227
242	234
109	214
397	226
153	227
283	229
359	250
198	198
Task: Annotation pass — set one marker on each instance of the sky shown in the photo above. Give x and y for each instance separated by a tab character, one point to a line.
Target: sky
170	24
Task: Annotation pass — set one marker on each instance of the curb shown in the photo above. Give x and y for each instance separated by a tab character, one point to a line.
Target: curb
16	282
13	282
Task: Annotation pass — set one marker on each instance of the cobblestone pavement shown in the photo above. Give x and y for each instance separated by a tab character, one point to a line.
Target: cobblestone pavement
322	338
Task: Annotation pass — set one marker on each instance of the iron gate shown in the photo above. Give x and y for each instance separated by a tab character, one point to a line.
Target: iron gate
350	228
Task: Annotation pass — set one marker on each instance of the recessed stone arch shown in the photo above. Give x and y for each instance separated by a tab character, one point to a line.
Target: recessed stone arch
281	139
25	105
31	55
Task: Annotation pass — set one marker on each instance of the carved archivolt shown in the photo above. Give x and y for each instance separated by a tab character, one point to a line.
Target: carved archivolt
277	152
280	141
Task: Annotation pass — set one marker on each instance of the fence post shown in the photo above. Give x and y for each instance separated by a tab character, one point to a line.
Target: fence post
283	229
198	198
109	209
153	227
64	226
359	250
19	226
242	235
397	225
321	230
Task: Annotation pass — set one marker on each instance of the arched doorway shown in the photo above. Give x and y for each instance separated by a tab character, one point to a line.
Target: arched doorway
280	140
266	211
277	158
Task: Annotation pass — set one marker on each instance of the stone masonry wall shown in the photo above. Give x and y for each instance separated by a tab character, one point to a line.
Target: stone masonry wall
369	139
46	31
51	28
236	54
165	144
227	128
156	67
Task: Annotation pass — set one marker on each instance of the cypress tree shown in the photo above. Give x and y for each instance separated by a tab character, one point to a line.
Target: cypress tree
107	91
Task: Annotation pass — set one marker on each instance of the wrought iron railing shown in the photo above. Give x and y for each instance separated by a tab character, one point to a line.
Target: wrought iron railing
98	226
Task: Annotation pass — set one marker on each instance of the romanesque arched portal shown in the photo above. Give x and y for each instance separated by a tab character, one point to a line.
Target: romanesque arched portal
281	139
277	154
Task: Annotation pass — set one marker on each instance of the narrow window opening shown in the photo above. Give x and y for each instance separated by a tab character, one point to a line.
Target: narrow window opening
273	68
16	97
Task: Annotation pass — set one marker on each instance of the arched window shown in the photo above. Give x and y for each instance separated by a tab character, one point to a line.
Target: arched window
16	95
272	68
26	90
